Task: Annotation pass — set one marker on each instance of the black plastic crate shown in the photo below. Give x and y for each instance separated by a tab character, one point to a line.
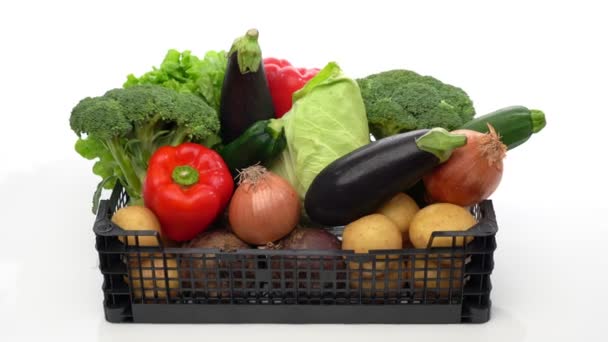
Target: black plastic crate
193	285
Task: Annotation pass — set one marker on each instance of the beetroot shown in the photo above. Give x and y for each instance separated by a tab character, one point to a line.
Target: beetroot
310	238
308	267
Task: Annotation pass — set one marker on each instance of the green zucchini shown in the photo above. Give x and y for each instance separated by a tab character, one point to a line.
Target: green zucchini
515	124
261	142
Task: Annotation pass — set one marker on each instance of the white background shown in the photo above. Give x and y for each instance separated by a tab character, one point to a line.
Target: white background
550	274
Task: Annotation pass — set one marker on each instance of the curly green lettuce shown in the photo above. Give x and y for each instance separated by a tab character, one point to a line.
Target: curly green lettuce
186	73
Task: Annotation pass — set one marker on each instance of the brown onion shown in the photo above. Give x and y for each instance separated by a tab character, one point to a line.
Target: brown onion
207	274
264	207
472	173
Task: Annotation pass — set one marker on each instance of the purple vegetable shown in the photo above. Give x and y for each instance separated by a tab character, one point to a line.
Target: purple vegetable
310	238
309	268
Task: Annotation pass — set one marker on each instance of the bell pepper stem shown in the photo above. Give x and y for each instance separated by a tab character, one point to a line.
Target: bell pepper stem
440	143
185	175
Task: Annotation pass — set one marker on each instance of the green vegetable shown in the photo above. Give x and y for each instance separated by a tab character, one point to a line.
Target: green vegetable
513	124
327	120
125	126
187	73
260	143
399	101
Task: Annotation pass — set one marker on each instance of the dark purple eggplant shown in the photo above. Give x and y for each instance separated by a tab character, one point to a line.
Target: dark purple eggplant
245	95
357	184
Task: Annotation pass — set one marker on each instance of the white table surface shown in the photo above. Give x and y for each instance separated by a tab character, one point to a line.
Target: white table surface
550	274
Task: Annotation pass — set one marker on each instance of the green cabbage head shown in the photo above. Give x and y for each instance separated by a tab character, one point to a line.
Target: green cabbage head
327	121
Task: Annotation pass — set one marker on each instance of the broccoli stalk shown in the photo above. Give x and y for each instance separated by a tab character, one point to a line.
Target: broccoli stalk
399	101
124	127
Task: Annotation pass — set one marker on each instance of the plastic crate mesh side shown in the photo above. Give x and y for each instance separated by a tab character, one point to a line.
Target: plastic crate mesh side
117	302
458	274
476	296
117	299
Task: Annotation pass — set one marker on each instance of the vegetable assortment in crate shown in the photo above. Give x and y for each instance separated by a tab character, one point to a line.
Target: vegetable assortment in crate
209	285
246	190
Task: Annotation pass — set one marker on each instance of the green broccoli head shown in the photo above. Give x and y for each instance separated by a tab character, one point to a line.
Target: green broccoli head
124	127
399	101
200	123
100	117
143	112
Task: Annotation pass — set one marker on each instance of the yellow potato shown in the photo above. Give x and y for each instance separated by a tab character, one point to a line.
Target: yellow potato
392	283
437	279
137	217
371	232
401	210
154	284
440	217
367	269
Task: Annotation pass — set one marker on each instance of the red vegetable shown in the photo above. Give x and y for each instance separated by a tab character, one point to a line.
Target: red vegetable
472	173
186	187
284	80
310	238
309	266
264	207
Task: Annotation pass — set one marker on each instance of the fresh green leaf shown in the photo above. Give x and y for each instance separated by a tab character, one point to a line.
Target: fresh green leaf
186	73
211	78
105	169
89	148
327	120
100	187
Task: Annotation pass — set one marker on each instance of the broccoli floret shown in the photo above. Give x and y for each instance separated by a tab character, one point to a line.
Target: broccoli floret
399	101
125	126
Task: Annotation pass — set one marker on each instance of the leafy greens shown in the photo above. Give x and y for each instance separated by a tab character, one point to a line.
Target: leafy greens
327	120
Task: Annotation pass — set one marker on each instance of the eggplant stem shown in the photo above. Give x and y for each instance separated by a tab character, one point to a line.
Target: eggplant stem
440	143
248	52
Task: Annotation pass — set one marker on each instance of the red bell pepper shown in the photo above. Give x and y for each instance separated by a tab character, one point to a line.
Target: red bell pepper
284	80
187	187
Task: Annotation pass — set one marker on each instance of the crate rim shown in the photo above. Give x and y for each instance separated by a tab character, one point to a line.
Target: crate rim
104	226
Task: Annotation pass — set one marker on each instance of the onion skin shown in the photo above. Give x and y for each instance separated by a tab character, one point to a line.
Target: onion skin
264	207
472	173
